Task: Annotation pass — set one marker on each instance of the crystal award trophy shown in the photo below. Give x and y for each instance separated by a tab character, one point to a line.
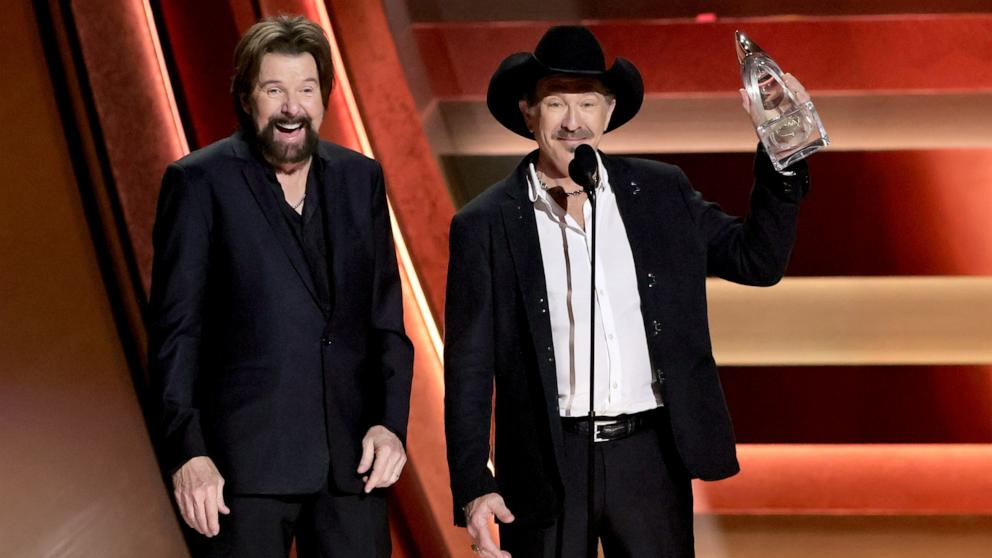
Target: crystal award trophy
789	127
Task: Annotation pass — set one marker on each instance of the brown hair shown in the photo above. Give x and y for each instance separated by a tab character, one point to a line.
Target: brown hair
283	35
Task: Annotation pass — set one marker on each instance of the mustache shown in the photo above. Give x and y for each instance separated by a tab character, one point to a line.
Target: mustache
576	135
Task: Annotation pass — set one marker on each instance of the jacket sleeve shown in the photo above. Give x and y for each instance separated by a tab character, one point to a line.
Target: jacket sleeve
469	362
753	250
181	240
392	345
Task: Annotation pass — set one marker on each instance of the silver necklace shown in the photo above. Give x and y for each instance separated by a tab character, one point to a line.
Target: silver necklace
296	206
567	194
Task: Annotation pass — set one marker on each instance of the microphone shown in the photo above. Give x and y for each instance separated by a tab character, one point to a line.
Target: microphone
584	169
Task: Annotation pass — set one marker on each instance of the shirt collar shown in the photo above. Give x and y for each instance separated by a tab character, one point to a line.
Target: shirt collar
535	192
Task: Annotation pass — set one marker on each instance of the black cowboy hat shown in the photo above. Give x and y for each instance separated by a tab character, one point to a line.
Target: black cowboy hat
568	50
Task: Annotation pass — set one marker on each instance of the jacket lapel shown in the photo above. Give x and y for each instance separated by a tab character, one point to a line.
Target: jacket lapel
636	212
525	252
330	177
646	218
257	183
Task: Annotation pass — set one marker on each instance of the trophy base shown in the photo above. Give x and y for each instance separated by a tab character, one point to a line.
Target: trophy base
793	136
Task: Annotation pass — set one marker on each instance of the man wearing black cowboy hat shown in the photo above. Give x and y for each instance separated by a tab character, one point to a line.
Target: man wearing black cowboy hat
518	321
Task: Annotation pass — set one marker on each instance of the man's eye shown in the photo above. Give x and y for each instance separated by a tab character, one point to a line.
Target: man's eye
272	91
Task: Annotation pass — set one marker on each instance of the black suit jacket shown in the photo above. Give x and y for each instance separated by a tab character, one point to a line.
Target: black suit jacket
247	368
498	330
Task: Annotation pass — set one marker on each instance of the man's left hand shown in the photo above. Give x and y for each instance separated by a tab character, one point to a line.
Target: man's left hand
383	454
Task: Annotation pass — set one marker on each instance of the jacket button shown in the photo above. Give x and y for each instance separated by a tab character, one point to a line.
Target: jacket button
656	327
326	341
652	280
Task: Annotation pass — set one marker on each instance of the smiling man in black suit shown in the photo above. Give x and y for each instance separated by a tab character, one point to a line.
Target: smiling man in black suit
279	359
517	321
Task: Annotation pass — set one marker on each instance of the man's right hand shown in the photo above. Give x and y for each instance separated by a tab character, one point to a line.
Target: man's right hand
478	514
199	491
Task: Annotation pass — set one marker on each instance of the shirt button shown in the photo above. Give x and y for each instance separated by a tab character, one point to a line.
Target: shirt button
610	337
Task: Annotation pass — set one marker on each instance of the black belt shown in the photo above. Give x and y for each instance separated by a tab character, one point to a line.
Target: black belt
610	428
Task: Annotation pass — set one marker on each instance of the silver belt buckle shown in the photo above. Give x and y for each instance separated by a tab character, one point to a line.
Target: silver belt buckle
597	424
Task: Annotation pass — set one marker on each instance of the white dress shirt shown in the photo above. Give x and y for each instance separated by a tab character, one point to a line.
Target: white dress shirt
624	383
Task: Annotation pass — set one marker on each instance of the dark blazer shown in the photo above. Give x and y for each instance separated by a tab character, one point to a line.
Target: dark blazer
246	366
498	330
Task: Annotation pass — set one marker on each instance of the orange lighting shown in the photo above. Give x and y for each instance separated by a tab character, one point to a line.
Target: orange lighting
164	76
855	479
404	254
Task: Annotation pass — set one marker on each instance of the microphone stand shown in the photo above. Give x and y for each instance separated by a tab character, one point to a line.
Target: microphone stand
584	171
592	547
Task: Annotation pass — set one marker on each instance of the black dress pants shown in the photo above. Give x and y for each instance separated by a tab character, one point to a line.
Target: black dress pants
325	525
643	501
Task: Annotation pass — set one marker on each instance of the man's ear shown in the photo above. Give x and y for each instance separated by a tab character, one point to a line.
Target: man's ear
245	104
525	110
609	111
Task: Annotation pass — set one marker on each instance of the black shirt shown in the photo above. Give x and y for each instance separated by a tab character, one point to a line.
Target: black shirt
308	229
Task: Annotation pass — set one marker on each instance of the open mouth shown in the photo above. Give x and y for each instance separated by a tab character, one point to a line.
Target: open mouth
289	128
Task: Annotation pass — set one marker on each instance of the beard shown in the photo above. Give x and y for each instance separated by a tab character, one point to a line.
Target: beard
281	153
